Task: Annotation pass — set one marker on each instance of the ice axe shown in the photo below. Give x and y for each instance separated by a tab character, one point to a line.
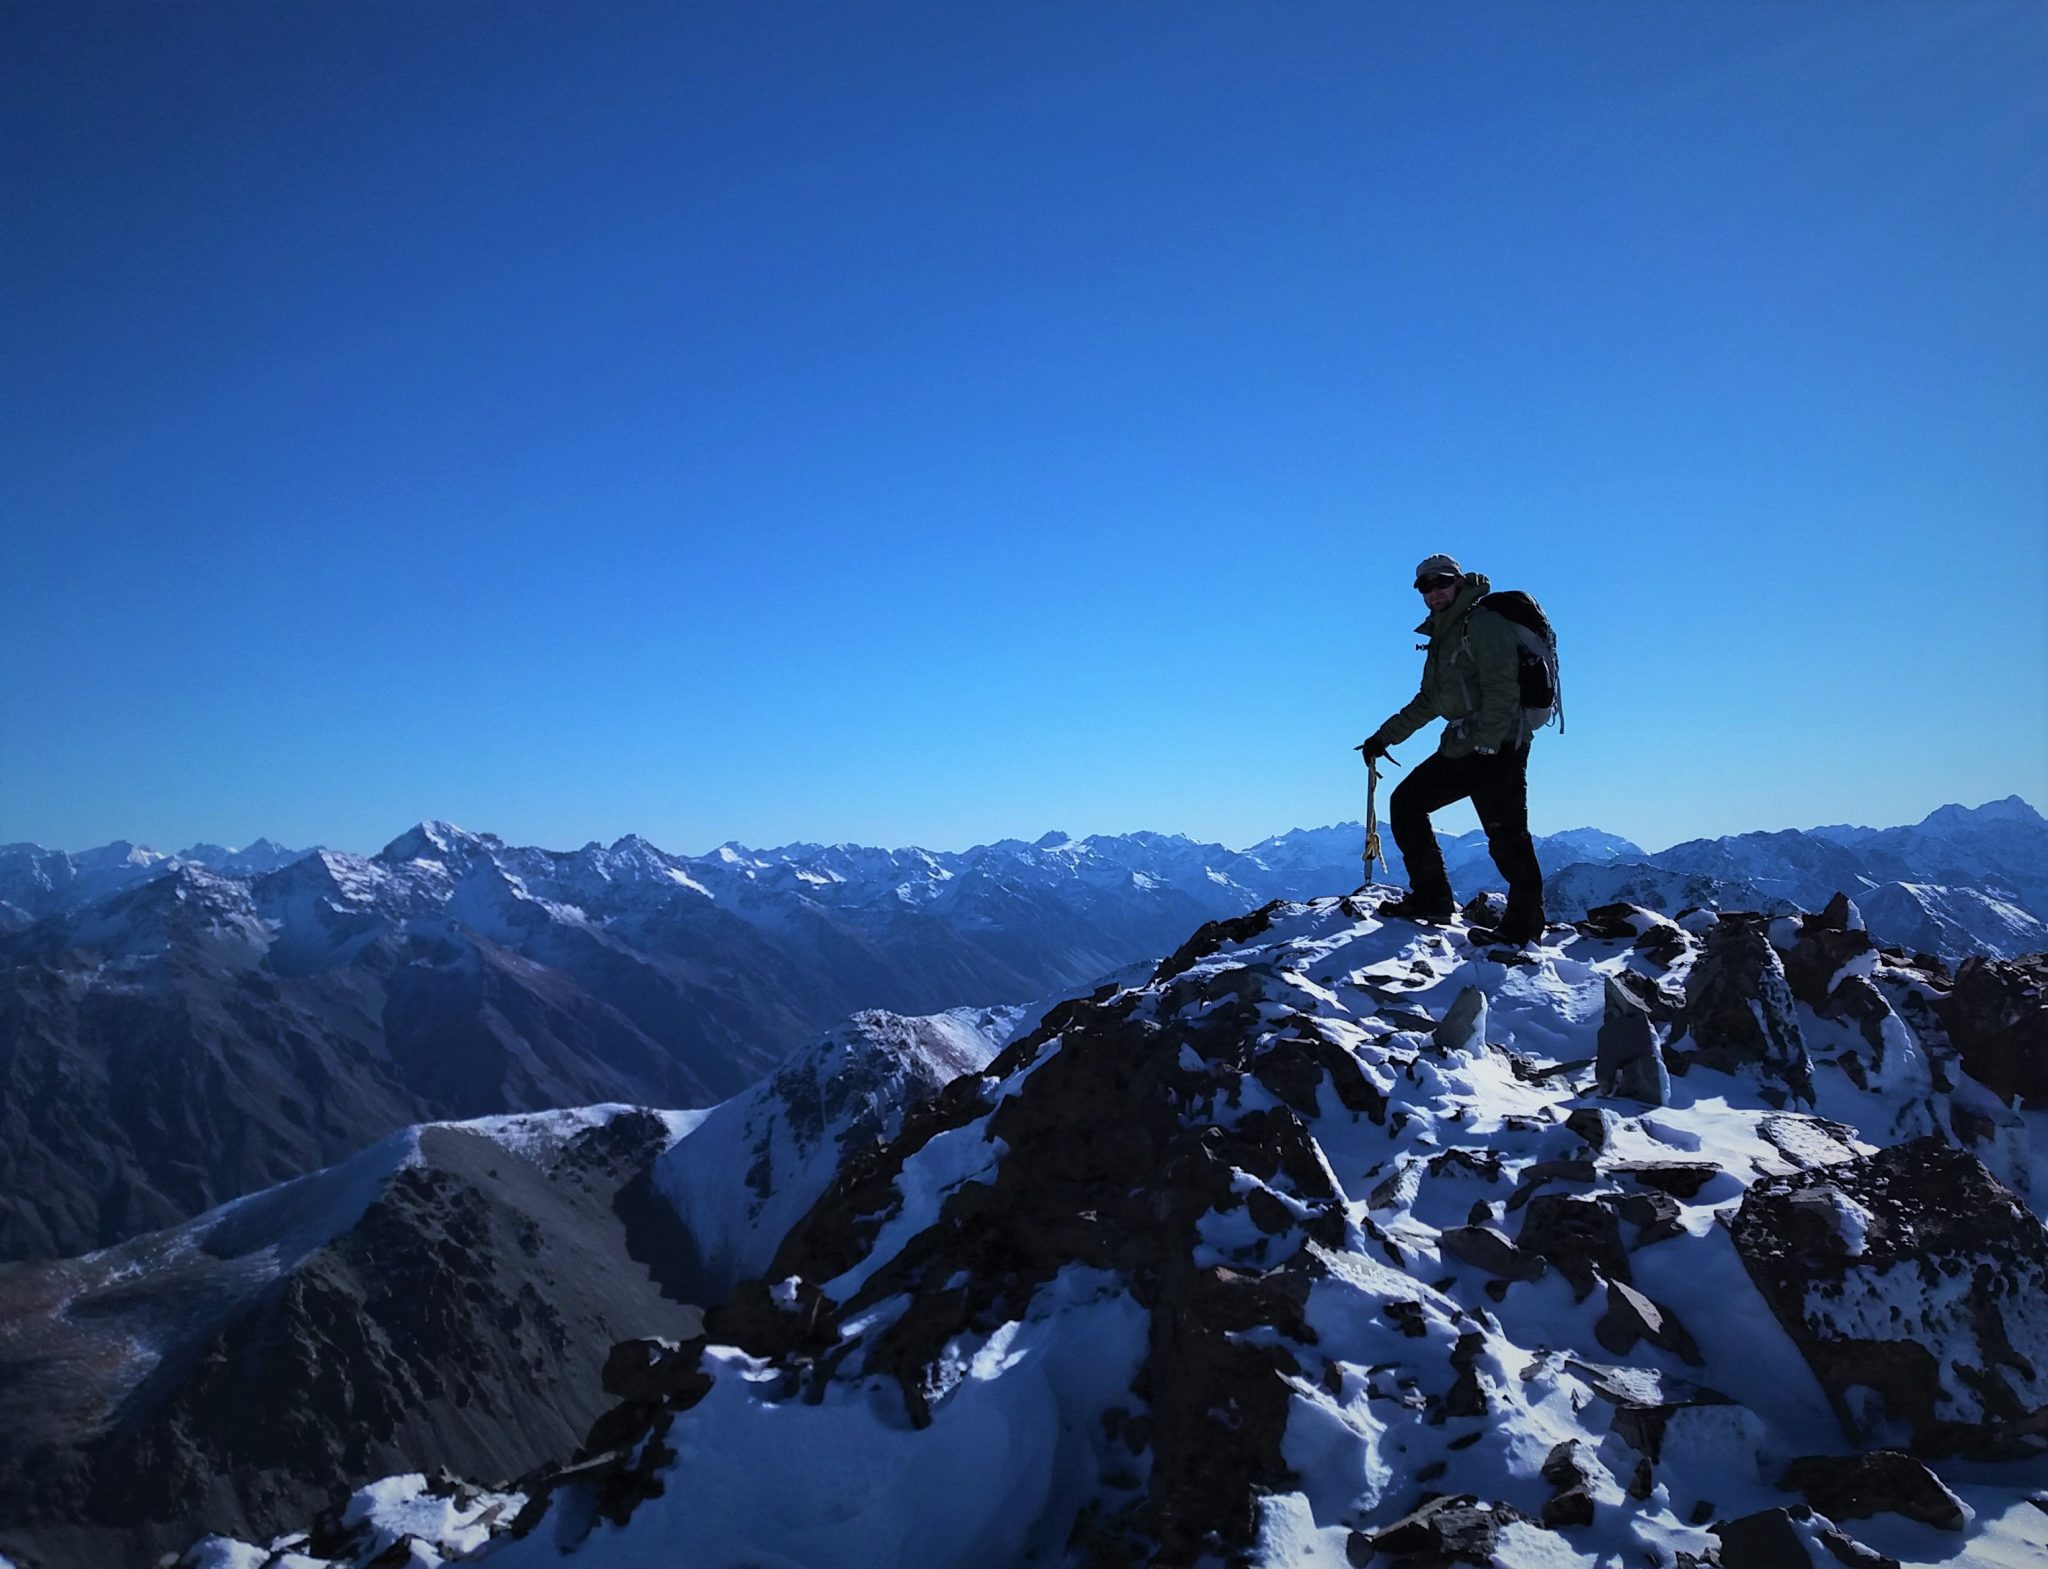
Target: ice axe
1372	819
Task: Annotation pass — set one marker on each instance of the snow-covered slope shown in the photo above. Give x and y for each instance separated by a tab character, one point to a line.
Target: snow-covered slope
41	882
757	1162
1340	1241
1927	919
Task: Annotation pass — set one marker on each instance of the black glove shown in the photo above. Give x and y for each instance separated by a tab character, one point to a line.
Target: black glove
1372	748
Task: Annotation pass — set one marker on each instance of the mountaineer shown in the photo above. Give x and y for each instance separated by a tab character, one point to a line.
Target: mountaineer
1491	673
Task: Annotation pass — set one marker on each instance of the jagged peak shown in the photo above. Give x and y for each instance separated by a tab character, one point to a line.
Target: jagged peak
634	851
432	838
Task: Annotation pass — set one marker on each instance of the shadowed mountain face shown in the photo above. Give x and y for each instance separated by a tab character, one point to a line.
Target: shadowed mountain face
449	1291
172	1047
447	1294
178	1030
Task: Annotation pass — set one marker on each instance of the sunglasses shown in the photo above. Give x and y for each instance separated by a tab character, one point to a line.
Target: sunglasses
1429	585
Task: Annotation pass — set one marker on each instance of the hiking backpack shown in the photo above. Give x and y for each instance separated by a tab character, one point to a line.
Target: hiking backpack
1536	656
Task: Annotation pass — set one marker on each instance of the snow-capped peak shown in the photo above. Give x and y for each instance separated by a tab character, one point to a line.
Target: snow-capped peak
433	839
2012	809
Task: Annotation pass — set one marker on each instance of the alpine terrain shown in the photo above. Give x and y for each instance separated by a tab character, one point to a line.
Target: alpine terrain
178	1030
1328	1239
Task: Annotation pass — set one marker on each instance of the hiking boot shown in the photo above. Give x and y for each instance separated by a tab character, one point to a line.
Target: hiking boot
1520	927
1412	906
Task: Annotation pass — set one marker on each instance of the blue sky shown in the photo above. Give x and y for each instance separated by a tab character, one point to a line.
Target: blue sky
930	423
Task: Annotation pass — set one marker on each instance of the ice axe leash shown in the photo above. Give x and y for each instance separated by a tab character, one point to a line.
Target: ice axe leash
1372	818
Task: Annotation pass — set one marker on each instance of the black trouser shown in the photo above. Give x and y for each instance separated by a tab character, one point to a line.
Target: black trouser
1499	788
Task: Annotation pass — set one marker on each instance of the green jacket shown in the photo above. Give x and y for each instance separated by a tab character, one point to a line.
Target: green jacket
1470	677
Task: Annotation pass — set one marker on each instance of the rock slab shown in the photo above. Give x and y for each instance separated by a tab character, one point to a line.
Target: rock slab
1915	1285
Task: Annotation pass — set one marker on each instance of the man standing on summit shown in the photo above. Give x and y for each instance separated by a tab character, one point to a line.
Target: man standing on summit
1473	679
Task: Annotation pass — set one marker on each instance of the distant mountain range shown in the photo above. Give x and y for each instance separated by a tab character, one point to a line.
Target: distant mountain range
179	1029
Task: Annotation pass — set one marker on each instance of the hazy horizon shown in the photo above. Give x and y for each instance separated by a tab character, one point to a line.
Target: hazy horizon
1447	822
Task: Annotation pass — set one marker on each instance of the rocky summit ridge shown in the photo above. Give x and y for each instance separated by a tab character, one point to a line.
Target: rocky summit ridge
1338	1241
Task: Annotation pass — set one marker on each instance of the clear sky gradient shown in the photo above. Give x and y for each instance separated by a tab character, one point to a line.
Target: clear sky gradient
929	423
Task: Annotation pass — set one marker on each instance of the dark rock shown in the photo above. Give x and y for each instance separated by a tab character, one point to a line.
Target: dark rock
1406	1317
1481	1163
1767	1539
1295	1067
1997	1017
1845	1549
1654	1215
622	1426
1487	1249
1612	921
1628	1060
1664	944
1464	1025
1648	993
1813	962
1854	1487
757	1320
1484	911
1539	1174
1633	1317
1268	1213
1572	1501
1455	1530
1594	1125
1906	1279
1839	914
1579	1238
613	1481
1680	1178
1573	1506
1642	1481
1466	1397
1290	1069
1739	1010
1212	937
652	1369
1561	1467
1396	1190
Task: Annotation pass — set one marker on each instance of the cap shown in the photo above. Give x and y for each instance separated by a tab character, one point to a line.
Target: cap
1437	566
